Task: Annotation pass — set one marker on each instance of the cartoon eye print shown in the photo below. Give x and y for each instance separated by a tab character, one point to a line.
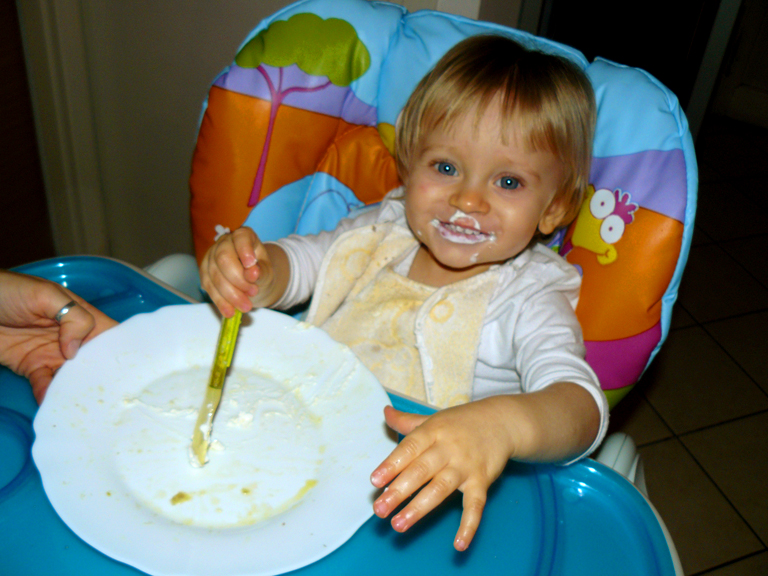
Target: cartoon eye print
602	204
612	229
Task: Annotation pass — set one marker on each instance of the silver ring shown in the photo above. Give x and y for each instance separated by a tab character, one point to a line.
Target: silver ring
66	308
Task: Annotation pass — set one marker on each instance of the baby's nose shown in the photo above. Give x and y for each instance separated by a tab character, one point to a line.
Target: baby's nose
470	199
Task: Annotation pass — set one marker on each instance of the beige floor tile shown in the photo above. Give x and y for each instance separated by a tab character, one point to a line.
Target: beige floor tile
706	530
737	217
693	383
753	566
635	417
753	187
735	455
745	338
700	237
729	146
751	254
681	318
708	175
714	286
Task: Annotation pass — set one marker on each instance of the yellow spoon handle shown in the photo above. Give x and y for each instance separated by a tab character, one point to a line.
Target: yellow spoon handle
201	435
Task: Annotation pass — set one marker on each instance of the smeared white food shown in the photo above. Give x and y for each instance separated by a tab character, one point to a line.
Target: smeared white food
266	441
216	446
460	234
243	420
459	214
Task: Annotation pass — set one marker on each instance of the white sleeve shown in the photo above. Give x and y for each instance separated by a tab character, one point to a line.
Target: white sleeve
549	348
306	253
532	338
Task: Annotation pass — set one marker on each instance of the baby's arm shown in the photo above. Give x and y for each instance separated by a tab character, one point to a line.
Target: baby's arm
240	272
467	447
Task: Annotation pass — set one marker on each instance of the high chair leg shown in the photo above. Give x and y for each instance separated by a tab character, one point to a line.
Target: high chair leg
619	453
179	271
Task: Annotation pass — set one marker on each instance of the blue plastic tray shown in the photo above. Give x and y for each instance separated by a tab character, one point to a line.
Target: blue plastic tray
578	520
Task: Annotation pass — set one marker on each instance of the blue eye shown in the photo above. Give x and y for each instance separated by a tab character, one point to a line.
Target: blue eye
508	183
445	168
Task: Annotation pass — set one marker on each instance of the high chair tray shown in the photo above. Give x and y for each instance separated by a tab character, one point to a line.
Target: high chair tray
582	519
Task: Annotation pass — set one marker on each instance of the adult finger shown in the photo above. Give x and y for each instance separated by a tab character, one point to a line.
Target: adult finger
40	379
76	324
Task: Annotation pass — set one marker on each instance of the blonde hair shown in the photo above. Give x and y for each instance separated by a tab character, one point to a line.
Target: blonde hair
547	97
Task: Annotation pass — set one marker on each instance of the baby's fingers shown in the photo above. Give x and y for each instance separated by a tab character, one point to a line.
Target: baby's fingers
402	422
413	465
405	452
222	277
429	497
228	259
223	305
250	251
474	504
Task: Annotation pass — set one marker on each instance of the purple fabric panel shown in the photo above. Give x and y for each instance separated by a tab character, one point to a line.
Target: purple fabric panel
338	101
655	179
619	363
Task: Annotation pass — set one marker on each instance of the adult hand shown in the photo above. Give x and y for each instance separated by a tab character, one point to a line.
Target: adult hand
32	343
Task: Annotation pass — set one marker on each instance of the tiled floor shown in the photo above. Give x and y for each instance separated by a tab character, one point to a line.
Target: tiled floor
700	413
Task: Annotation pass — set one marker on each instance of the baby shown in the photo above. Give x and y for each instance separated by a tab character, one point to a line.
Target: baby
443	291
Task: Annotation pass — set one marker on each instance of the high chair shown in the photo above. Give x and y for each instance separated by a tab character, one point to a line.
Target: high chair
298	133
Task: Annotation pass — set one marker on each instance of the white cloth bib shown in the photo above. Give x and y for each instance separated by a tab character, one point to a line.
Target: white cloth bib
356	279
378	324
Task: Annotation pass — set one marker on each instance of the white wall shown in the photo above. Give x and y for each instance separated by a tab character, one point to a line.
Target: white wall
117	89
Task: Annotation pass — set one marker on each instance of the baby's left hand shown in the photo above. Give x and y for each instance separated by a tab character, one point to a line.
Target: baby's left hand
465	447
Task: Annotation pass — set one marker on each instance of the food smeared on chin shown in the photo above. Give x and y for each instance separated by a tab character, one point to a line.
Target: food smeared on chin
462	228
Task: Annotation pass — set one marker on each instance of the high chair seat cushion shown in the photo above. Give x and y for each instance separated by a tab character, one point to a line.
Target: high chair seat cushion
298	132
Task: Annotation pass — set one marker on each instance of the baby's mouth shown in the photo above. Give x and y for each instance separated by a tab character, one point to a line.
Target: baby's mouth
461	234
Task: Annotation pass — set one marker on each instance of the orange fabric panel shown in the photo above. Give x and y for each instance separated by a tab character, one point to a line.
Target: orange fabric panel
300	140
228	148
360	160
224	163
623	298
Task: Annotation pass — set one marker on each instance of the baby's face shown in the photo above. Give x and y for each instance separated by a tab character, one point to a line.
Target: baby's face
474	201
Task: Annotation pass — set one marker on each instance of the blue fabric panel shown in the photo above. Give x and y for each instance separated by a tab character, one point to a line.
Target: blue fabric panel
307	206
327	201
635	111
424	37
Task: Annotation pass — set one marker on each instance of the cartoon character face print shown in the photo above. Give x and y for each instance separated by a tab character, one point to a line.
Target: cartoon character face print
602	220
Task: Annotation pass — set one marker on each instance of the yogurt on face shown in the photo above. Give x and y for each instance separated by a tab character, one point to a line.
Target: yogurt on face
468	232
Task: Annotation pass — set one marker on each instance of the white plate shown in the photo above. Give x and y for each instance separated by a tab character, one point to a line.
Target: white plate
299	431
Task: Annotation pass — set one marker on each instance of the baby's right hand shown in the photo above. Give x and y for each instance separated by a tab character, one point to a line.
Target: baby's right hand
235	272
